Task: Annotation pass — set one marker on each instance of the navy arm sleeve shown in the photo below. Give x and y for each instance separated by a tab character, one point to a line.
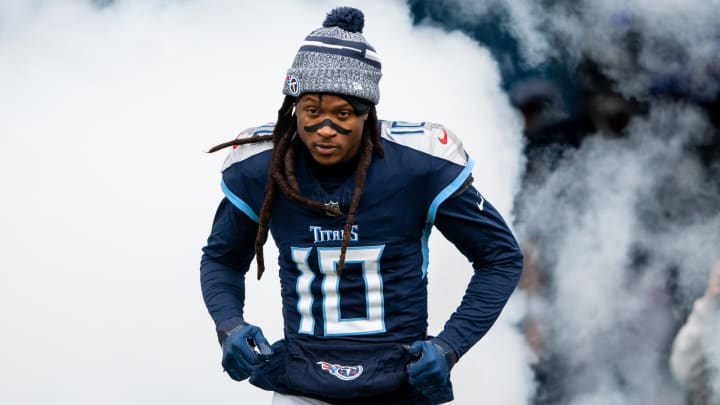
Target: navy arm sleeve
226	258
475	227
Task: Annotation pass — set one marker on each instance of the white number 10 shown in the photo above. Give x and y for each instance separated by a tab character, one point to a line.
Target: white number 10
368	257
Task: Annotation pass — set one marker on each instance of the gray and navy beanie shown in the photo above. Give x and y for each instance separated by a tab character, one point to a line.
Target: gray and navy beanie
336	59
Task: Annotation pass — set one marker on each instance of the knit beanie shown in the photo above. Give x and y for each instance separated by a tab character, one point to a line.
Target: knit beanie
336	59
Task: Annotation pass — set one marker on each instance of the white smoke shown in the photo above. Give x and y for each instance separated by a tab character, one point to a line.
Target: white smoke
670	36
626	227
108	197
610	319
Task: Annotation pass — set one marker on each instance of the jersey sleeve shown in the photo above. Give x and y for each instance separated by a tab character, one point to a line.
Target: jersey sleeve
479	232
244	172
446	167
231	245
226	259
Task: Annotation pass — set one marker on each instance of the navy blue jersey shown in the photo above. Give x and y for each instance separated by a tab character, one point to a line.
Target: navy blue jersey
381	295
422	181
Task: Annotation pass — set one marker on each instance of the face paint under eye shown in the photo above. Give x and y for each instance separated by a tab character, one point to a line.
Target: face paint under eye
327	122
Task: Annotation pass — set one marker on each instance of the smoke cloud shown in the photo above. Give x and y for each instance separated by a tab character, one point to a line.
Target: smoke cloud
610	316
624	227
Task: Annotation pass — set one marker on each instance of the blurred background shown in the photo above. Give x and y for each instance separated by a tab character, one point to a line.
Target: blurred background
594	127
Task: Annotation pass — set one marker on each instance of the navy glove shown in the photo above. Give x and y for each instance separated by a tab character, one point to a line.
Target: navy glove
244	350
430	373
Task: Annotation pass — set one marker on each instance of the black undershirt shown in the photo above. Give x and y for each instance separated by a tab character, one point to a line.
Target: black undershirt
331	177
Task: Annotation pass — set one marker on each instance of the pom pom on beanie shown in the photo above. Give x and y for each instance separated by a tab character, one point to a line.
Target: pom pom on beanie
346	18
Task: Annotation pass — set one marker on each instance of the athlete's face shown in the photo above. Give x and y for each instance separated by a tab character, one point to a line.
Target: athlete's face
329	128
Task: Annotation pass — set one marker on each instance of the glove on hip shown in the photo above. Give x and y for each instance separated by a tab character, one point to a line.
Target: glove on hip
430	372
244	350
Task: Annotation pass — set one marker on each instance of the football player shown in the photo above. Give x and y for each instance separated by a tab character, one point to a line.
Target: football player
350	201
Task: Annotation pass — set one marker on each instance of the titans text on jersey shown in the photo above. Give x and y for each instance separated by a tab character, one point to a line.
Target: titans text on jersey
325	235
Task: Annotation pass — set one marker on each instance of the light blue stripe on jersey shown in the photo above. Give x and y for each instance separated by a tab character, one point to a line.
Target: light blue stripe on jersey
238	202
432	211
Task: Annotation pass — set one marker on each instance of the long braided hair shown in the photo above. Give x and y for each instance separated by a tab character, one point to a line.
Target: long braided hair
281	173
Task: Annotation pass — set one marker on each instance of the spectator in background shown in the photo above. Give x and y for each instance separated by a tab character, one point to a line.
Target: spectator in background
695	358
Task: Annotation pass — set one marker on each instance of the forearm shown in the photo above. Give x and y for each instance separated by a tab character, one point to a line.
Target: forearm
223	290
225	261
486	295
480	233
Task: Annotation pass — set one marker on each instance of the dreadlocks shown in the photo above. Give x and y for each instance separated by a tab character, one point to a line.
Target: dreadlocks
281	174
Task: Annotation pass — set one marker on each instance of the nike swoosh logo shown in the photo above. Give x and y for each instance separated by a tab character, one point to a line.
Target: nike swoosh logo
481	204
444	138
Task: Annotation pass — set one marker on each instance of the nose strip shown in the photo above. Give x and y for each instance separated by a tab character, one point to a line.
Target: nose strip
327	122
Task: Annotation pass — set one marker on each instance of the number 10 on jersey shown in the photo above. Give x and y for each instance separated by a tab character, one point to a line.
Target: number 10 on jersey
368	257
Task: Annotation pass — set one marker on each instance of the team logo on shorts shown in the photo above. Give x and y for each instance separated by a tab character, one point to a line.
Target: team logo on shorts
292	84
345	373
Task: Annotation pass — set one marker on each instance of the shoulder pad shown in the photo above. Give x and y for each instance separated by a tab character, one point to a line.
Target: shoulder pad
431	138
238	153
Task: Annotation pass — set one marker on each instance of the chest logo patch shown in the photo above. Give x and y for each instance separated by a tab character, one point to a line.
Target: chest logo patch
345	373
332	205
